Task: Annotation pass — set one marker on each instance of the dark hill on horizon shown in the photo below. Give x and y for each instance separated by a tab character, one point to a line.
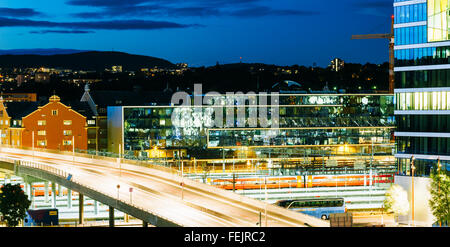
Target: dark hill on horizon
91	60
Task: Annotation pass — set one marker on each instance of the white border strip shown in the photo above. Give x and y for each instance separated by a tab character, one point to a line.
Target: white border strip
422	45
422	156
423	112
420	90
422	134
422	67
410	24
409	2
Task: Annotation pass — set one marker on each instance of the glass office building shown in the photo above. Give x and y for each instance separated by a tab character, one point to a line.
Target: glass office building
312	125
422	90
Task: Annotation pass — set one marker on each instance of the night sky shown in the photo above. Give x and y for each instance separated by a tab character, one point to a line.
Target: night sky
203	32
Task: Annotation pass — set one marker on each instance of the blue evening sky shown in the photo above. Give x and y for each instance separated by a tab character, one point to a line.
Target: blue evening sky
203	32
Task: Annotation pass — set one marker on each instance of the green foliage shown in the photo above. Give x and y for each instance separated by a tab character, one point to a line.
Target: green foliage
396	201
440	196
13	204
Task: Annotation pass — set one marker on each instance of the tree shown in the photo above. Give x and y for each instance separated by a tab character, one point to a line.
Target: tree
396	201
440	196
13	204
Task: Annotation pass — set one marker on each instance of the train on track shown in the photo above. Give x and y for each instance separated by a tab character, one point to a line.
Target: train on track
310	181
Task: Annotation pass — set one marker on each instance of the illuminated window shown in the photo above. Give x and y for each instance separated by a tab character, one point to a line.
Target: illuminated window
54	112
67	142
67	122
91	122
41	133
42	122
438	20
67	132
42	143
424	101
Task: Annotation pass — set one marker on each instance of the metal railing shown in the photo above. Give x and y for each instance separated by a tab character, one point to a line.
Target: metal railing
65	175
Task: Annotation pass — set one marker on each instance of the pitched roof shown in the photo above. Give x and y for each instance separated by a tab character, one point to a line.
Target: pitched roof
129	98
81	107
17	110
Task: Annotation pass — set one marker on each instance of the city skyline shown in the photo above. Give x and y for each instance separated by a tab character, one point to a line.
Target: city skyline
203	32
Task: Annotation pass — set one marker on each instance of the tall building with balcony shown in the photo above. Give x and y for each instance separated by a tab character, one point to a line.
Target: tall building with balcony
422	76
422	92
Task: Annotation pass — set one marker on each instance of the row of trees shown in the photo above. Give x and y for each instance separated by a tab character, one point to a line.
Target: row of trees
13	204
397	199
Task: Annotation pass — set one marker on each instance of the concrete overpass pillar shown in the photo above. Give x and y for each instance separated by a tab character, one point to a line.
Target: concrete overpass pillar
29	191
69	198
46	191
31	196
80	208
144	224
60	194
111	216
96	207
25	189
53	195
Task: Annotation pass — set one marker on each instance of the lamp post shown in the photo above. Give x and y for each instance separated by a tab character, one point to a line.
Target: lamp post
32	140
182	177
120	163
265	204
131	195
118	187
73	148
413	168
439	182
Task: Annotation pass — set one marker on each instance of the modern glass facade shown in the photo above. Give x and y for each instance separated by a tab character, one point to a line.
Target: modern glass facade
410	13
438	20
422	78
422	84
422	56
308	124
410	35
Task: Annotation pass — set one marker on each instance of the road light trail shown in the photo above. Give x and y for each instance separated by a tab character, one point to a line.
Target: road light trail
199	208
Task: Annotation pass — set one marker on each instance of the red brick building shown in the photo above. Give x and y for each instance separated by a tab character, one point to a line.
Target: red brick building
55	126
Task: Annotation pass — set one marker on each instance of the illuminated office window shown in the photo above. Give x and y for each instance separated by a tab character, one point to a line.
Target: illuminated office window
438	17
423	101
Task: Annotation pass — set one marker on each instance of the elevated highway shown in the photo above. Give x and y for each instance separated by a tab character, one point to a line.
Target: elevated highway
158	195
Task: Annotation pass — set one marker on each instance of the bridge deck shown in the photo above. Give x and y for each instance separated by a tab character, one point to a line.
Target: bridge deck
159	192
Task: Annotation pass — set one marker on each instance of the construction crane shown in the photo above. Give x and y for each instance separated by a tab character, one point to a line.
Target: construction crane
389	36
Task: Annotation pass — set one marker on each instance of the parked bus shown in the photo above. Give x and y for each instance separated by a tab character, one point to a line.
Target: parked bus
317	207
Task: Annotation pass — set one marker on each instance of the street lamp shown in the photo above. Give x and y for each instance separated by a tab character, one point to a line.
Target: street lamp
439	181
131	195
265	204
32	137
413	168
118	187
182	177
73	148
